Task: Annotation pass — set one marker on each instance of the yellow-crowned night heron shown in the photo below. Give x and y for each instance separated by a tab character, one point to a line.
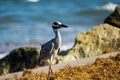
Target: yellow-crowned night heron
52	47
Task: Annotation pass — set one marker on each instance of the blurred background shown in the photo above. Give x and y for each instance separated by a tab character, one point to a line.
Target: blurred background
28	22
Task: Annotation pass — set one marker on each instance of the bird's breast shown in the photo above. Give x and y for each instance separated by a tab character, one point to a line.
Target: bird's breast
57	43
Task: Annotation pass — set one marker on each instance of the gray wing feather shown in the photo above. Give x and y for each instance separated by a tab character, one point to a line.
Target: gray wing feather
46	50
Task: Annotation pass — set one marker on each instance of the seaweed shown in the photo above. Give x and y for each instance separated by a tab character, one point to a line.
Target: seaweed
101	69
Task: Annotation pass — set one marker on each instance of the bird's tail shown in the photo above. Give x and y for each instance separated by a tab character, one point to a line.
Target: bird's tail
40	62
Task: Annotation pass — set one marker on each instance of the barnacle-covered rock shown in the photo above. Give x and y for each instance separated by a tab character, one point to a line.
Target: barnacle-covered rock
100	39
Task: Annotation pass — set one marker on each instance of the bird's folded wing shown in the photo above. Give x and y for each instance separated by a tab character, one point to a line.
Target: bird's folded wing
46	49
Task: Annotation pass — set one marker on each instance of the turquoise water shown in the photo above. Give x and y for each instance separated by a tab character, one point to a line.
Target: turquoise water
28	22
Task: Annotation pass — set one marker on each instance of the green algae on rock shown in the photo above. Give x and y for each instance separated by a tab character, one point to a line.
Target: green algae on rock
19	59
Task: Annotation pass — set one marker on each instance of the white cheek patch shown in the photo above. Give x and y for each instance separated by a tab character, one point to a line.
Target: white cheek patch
59	23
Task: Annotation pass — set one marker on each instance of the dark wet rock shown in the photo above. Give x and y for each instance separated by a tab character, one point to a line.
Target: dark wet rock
4	66
19	59
114	18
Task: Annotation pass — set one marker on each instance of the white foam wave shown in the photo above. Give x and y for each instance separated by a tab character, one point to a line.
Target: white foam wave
109	6
66	46
33	0
2	55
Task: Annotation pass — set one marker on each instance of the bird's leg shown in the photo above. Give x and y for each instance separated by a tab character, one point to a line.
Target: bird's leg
50	67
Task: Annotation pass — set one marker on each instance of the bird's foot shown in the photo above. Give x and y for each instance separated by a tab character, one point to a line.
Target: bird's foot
50	75
50	72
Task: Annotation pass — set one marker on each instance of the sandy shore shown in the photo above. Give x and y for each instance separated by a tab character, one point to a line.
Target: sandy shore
58	66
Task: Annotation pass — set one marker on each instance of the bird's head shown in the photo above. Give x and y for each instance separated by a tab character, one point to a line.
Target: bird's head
57	25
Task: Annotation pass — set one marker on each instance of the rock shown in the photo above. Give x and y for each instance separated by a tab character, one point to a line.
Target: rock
114	18
100	39
19	59
4	67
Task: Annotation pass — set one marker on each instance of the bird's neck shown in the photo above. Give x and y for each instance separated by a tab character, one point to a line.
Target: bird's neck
57	39
57	34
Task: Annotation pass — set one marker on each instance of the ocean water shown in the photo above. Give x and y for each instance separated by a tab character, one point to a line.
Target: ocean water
28	22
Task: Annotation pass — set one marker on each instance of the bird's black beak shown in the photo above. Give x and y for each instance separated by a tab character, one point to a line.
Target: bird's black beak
63	25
